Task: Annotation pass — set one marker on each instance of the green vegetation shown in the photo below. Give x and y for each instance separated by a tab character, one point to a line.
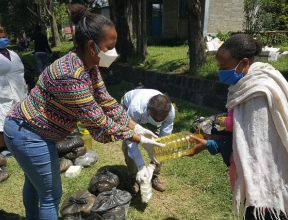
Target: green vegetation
197	187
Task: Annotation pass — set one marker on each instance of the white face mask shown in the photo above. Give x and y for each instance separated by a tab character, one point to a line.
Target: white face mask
153	122
107	58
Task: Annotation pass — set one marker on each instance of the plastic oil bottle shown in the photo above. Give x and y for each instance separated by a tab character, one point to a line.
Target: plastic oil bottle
88	141
176	145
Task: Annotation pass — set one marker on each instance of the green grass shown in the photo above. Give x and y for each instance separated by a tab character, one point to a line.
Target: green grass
196	187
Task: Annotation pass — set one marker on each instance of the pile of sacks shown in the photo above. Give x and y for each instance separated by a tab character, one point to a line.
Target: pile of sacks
3	169
103	199
72	151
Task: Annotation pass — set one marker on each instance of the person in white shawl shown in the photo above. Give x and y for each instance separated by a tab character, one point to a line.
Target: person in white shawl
12	83
258	95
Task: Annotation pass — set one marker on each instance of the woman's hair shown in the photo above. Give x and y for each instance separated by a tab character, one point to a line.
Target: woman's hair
160	104
88	26
242	46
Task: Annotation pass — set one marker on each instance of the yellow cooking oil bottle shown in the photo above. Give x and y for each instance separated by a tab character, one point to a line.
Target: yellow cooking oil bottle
176	145
88	140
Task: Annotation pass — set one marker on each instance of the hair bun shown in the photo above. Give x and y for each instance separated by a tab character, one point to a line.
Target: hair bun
77	12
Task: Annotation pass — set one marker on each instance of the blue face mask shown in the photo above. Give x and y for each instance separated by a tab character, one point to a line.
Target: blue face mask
4	42
230	76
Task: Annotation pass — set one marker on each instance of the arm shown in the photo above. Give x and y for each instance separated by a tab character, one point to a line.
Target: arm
75	94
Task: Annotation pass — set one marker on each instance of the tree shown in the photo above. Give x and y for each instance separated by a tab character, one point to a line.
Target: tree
139	23
119	15
16	17
49	6
197	53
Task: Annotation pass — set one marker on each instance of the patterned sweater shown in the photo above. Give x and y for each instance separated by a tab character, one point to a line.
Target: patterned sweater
66	93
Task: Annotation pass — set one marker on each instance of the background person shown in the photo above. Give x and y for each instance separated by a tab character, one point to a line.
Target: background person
69	90
258	95
13	87
41	48
155	111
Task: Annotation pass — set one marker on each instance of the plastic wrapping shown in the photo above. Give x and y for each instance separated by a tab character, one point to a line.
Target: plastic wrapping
81	201
73	171
113	204
64	164
103	181
3	161
69	144
74	153
87	159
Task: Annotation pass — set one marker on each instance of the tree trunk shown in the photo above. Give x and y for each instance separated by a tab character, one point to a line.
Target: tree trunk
53	23
196	43
137	23
119	15
143	38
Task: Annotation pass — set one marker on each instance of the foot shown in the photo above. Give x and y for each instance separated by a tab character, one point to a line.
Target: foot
156	184
133	186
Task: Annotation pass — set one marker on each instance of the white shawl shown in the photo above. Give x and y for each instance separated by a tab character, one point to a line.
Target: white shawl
260	139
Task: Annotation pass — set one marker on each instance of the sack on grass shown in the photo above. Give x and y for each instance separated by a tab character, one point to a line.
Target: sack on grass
87	159
3	161
69	144
81	201
8	215
121	184
113	204
83	215
4	175
103	181
64	164
76	152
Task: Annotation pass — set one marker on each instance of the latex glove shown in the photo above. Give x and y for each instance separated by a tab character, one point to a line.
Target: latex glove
142	174
149	145
144	132
150	169
200	145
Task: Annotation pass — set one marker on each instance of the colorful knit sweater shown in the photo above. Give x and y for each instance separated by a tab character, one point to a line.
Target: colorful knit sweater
66	93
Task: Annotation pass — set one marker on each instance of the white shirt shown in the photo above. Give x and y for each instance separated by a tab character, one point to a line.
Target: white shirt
12	84
136	103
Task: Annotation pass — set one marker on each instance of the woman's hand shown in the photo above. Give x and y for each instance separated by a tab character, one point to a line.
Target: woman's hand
199	145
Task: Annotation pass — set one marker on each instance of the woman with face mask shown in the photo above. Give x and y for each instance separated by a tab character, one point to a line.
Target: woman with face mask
12	83
68	91
258	97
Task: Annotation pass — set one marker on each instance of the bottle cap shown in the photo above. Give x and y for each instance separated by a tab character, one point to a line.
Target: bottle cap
85	132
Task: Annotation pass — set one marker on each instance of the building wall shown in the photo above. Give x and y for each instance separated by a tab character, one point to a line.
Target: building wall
225	15
173	25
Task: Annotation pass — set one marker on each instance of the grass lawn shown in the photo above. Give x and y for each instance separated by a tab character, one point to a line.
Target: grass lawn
196	188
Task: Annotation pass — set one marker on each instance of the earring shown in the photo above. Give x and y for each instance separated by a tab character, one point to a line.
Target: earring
92	53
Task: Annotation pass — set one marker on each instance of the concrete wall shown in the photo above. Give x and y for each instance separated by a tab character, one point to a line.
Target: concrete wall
207	93
223	15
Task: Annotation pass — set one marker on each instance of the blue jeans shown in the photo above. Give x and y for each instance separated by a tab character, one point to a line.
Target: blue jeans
39	160
41	60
